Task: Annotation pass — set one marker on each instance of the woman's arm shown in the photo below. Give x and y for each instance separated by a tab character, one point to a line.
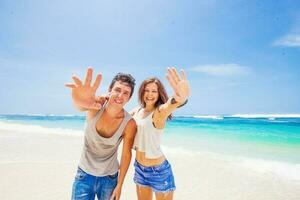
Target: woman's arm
181	89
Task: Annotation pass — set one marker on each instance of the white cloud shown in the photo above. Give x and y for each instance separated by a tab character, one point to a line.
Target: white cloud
291	40
221	70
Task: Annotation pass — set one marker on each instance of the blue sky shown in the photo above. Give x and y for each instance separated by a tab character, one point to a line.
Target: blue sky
240	56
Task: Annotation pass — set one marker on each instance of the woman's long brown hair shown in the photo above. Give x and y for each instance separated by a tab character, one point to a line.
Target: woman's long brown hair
162	94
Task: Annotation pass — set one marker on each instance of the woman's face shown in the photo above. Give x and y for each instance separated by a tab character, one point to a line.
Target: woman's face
150	94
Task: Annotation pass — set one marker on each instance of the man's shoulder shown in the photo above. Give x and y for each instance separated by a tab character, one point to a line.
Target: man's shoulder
130	126
130	129
131	123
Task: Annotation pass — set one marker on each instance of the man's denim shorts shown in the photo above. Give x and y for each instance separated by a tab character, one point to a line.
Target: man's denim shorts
160	178
86	186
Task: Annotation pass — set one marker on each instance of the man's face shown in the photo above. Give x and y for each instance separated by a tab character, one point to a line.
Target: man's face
119	94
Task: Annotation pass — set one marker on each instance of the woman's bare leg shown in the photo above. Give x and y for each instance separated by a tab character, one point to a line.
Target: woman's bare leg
164	196
143	193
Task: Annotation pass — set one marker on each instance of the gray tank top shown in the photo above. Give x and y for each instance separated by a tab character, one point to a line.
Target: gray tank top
99	154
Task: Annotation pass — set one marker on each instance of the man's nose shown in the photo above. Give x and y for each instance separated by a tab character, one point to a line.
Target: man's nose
120	94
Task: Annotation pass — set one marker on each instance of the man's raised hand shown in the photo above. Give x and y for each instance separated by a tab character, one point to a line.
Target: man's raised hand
84	95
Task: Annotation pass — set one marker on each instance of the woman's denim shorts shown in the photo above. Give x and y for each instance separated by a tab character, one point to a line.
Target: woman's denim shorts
160	177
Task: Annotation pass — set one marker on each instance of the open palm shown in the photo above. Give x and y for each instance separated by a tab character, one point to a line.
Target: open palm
180	85
84	95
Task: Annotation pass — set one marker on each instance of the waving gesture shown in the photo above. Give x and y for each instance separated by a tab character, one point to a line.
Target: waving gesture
83	95
179	84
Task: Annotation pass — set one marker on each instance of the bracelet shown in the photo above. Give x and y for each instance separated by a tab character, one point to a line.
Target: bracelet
185	102
173	101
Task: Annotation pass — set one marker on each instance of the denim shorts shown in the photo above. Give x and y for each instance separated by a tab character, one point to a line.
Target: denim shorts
86	186
160	177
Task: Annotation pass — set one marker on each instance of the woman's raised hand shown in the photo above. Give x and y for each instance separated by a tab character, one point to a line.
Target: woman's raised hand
84	95
180	84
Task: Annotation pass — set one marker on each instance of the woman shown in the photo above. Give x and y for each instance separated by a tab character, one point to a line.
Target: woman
153	172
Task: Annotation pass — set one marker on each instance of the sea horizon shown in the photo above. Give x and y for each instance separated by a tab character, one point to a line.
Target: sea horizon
240	115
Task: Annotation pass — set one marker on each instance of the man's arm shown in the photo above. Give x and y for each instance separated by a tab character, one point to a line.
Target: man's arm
129	134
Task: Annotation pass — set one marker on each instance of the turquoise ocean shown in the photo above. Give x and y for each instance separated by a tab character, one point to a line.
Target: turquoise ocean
264	136
267	138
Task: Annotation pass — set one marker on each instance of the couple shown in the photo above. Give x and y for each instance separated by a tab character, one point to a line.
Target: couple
107	123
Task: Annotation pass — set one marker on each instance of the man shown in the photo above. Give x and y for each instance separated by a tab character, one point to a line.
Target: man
107	123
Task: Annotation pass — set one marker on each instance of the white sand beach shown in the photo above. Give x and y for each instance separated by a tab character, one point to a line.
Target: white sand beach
42	166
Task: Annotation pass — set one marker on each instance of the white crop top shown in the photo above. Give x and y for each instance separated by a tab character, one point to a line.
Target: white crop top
147	138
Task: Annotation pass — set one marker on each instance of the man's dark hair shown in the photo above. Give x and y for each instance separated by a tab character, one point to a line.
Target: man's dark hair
125	78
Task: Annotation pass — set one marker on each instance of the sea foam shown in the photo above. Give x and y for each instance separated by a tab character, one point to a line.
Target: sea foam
282	169
209	117
8	126
288	170
267	116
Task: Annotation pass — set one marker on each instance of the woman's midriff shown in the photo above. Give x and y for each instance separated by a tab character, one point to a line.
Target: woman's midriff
141	158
